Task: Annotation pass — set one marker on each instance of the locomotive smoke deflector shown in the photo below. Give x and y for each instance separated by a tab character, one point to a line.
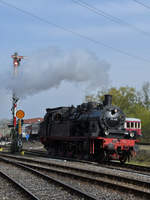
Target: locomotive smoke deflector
107	100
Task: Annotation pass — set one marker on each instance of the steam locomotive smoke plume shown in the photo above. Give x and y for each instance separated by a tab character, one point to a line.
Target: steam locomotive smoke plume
49	68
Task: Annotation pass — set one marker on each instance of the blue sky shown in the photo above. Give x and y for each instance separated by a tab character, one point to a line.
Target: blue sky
38	40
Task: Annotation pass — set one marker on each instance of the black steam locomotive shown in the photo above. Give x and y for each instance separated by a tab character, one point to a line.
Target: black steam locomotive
88	131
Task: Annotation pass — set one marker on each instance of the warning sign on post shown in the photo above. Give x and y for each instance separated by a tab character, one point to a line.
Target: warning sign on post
20	114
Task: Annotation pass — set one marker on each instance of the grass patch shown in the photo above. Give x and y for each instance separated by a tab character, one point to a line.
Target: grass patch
142	158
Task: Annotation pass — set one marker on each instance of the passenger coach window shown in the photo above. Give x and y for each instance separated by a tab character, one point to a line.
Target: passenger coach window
135	124
139	126
128	125
132	125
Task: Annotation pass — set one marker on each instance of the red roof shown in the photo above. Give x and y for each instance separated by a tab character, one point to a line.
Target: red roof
32	120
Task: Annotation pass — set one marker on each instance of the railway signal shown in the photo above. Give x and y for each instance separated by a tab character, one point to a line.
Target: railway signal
16	59
16	138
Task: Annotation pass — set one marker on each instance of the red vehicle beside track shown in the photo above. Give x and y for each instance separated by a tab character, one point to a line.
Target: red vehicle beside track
133	126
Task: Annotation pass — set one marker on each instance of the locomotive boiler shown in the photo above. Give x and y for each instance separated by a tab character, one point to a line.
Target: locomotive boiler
89	131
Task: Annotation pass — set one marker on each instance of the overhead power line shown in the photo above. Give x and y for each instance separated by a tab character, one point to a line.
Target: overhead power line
75	33
143	4
109	17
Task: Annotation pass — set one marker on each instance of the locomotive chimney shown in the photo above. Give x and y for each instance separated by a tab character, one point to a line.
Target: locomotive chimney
107	100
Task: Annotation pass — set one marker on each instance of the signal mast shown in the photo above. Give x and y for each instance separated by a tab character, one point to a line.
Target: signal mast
16	141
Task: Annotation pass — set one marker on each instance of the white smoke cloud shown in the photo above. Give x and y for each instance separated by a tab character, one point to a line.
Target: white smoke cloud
49	68
5	103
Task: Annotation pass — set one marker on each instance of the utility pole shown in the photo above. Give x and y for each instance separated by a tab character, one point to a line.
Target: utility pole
16	139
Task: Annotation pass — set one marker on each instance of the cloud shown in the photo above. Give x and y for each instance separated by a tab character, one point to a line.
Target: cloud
4	103
51	67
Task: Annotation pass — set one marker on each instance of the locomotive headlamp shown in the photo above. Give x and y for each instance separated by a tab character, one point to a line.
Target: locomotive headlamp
106	133
131	134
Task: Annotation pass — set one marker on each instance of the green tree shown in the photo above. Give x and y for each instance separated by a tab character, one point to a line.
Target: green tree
145	95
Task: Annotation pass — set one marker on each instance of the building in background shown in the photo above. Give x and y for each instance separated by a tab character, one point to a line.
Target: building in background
4	129
30	127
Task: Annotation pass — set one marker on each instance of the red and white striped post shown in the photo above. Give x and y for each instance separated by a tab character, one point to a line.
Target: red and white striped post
16	63
15	110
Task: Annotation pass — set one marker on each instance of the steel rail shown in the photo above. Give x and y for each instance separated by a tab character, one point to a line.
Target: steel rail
126	165
110	165
83	175
58	182
25	190
132	166
144	170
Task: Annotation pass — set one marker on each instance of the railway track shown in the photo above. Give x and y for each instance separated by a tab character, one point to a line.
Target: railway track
10	189
38	185
139	188
112	165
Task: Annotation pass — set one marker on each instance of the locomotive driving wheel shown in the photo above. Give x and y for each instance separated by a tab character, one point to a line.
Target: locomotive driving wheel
123	158
102	156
